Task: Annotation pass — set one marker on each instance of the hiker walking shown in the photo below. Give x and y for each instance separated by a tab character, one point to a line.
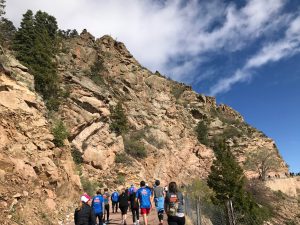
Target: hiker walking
144	197
84	214
131	189
174	205
159	201
98	206
134	205
114	200
123	205
106	197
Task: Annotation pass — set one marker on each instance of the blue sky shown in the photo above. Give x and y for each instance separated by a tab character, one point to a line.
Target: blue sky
244	52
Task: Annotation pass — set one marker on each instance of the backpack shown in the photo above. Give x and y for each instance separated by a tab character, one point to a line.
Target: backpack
115	197
173	205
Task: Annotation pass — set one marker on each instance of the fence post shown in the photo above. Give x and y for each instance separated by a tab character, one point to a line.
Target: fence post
198	212
230	212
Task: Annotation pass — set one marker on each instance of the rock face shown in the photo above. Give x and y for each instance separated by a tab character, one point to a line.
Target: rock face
288	186
37	180
162	112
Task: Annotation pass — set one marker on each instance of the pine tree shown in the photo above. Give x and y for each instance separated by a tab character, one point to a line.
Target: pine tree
36	45
228	181
24	40
7	29
46	79
2	7
226	177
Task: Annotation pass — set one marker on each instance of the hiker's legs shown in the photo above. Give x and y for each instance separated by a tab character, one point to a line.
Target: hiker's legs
133	211
100	218
161	216
145	218
115	207
145	212
137	214
107	212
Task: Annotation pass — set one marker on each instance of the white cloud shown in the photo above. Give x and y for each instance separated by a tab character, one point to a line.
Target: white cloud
159	32
286	47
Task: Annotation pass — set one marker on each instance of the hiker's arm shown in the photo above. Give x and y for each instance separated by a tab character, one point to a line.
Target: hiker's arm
76	217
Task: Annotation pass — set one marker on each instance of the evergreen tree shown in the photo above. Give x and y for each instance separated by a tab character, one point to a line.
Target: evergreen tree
226	177
44	48
2	7
228	182
36	45
7	31
24	40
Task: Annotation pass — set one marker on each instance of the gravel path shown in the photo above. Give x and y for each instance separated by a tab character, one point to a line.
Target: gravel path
115	218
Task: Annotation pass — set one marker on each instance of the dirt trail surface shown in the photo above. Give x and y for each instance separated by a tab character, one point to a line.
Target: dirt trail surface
115	218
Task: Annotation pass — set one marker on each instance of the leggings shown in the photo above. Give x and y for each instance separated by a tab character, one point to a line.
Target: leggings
135	214
160	214
107	211
100	218
115	206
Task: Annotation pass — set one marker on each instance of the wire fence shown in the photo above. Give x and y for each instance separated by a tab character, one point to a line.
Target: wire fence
206	213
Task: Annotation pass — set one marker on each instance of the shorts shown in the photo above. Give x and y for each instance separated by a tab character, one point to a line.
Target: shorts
145	211
124	210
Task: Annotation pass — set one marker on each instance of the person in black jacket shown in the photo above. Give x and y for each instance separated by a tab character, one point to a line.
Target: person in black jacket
84	214
123	205
134	205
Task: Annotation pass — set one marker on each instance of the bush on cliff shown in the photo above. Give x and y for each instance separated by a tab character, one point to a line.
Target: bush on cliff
60	133
119	123
134	147
202	133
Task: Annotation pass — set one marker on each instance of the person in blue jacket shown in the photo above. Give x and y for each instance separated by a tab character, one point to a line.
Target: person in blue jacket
145	199
115	200
98	206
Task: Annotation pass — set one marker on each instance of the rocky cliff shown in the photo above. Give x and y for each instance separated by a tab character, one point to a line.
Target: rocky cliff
163	111
162	114
37	180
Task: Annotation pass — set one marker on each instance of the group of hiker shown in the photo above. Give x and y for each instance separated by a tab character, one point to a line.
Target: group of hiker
96	210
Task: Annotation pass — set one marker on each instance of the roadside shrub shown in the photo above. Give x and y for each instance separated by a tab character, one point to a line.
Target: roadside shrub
88	186
120	179
60	133
122	158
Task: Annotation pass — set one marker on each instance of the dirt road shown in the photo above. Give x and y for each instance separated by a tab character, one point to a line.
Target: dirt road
115	218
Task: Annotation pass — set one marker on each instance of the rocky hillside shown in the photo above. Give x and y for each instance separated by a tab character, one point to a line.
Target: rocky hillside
37	179
162	111
96	75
